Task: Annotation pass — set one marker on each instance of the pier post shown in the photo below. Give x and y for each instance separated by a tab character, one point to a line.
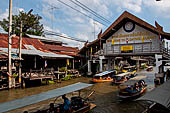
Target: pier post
101	65
89	66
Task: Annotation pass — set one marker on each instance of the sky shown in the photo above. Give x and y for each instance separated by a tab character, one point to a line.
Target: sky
67	18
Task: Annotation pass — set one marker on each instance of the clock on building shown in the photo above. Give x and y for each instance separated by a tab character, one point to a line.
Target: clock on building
129	26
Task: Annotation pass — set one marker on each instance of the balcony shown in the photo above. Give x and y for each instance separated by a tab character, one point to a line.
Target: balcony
132	49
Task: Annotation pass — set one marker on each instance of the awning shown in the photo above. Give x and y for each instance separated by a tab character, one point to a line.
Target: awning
105	73
4	56
160	95
34	51
18	103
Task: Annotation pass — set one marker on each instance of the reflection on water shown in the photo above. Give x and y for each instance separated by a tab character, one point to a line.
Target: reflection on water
105	96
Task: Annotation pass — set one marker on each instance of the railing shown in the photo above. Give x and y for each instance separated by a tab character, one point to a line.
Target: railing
39	73
139	48
165	53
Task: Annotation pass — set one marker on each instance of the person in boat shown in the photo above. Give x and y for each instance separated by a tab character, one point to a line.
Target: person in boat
51	109
66	105
136	87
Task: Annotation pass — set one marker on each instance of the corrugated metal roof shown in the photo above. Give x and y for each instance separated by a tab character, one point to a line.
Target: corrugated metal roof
34	51
43	38
4	56
70	51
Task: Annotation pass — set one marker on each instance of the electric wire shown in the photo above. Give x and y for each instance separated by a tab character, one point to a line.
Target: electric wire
81	12
47	32
93	12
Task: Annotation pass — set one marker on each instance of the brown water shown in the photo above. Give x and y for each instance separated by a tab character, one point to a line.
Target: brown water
105	96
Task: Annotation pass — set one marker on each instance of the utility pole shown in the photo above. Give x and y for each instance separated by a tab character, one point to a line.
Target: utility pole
9	43
20	46
52	8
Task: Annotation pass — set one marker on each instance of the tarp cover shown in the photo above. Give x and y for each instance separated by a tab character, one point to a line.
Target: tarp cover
105	73
18	103
160	95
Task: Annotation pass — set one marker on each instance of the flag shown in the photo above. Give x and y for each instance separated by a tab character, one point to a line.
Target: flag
68	63
142	39
127	40
112	41
45	65
160	38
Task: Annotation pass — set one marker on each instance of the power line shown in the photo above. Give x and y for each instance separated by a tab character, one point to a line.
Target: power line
93	13
96	14
47	32
80	12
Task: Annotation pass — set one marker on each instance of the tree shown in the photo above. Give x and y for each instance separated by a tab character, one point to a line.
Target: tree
31	24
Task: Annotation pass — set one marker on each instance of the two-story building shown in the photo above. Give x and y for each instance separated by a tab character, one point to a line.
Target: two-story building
129	40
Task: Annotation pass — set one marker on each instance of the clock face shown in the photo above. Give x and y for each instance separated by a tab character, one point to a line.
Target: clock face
129	26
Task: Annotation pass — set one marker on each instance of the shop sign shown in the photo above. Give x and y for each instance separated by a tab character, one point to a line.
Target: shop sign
127	49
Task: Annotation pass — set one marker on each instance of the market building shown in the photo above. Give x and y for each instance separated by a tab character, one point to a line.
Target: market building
38	53
129	40
41	58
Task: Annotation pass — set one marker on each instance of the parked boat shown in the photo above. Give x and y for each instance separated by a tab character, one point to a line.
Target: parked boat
106	76
79	105
133	88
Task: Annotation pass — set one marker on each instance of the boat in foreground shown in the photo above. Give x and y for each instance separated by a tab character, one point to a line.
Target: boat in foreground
79	105
157	100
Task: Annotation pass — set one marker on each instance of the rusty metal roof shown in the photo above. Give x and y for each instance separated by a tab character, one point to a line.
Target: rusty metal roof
36	43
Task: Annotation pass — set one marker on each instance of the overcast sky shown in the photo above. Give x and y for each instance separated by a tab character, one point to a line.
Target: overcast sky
58	17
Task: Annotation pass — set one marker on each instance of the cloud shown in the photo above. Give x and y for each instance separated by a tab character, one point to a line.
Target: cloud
160	8
83	27
4	15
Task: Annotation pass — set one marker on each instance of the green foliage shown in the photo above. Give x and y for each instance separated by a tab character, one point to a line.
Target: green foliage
63	69
31	24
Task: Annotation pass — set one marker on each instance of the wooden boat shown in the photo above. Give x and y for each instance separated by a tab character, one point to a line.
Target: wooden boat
79	105
132	88
129	69
121	78
149	68
131	93
106	76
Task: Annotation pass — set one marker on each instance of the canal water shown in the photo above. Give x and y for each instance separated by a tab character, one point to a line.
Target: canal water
105	96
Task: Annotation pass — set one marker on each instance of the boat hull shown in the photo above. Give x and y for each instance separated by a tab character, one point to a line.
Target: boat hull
101	80
131	95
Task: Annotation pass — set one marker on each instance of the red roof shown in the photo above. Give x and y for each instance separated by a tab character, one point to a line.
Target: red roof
126	15
38	45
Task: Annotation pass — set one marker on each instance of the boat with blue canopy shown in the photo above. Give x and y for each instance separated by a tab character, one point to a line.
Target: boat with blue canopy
29	100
